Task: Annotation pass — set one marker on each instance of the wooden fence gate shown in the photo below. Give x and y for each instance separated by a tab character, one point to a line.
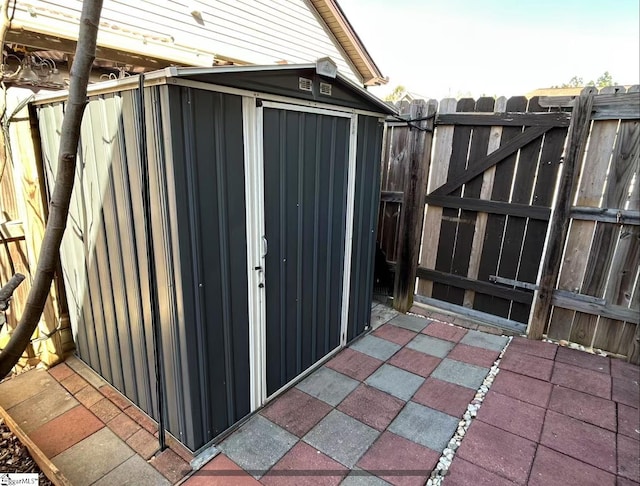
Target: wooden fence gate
490	169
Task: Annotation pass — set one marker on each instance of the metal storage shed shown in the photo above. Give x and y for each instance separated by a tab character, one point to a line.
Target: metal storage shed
225	217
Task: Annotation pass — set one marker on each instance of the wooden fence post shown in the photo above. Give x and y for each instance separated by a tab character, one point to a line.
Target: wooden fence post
559	224
419	139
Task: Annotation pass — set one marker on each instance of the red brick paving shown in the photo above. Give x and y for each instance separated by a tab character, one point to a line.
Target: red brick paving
355	364
123	426
141	419
414	361
104	410
66	430
170	465
61	371
143	443
528	365
534	348
464	473
587	381
580	440
622	369
399	461
296	411
74	383
512	415
585	407
371	406
530	390
302	457
625	390
444	396
474	355
551	468
221	471
628	421
445	331
584	360
629	458
115	396
88	396
394	334
498	451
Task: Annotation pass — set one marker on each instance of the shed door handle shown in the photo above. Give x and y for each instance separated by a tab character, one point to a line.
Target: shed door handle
265	246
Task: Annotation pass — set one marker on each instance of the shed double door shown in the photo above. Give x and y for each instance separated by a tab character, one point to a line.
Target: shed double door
306	182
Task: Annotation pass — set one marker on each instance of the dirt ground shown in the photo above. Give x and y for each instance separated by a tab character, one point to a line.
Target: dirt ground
15	458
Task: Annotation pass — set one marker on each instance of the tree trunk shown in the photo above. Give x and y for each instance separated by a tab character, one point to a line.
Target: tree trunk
59	207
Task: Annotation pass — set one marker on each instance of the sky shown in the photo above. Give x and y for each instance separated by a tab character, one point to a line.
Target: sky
440	48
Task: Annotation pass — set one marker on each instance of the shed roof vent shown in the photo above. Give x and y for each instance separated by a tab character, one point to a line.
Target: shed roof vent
325	89
305	84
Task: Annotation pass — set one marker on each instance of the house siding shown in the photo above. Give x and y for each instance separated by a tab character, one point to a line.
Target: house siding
250	31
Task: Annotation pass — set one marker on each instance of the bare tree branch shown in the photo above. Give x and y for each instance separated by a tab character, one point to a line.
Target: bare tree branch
60	200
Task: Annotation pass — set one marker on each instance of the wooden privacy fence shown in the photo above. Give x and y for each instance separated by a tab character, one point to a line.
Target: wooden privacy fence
467	208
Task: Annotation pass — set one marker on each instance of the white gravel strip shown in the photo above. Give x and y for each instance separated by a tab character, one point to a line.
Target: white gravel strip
442	468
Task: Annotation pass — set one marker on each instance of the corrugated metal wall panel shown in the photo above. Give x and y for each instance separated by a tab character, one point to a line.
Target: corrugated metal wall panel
208	170
367	194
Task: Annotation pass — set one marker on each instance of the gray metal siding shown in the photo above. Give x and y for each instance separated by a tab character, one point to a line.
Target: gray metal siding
367	196
208	165
305	170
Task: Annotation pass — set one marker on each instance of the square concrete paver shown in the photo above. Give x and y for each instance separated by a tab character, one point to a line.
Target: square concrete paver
134	471
376	347
498	451
580	440
371	407
627	391
591	382
473	355
305	466
583	360
123	426
39	409
465	473
628	421
85	371
512	415
74	383
61	371
394	334
463	374
585	407
296	412
396	382
105	410
412	323
484	340
354	364
535	348
258	445
399	461
221	471
551	468
430	345
143	443
622	369
523	388
341	437
526	364
328	385
89	396
65	430
628	458
170	465
445	331
414	361
444	396
24	386
104	448
426	426
360	477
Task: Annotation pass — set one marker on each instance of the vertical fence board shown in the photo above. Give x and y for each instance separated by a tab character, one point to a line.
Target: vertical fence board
485	193
437	177
493	239
450	216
